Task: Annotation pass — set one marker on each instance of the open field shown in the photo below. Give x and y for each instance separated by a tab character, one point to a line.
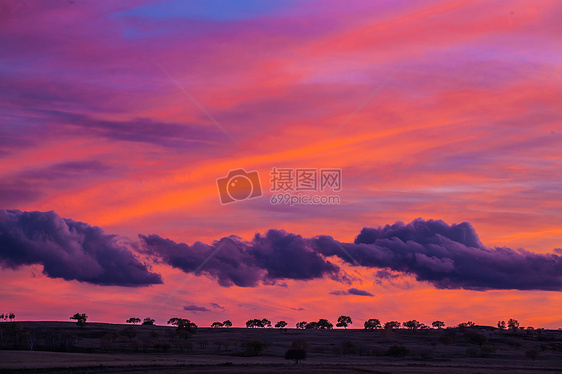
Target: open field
63	347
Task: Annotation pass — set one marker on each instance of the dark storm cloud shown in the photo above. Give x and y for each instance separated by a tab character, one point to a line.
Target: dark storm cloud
447	256
352	291
266	259
69	250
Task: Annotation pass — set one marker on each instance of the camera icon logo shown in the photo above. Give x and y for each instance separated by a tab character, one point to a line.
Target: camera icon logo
239	185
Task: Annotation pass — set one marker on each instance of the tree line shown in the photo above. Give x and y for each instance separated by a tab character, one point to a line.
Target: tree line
7	316
321	324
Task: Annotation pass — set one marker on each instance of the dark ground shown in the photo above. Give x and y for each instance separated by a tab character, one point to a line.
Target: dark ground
63	347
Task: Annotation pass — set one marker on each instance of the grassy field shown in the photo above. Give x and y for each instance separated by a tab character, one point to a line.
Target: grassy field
63	347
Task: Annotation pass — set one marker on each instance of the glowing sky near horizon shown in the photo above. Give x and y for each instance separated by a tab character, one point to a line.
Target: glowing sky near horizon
468	129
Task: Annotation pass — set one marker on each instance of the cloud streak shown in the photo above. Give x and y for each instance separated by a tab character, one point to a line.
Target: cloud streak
69	250
196	308
352	291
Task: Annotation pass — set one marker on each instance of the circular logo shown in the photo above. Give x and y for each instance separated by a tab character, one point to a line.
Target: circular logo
239	187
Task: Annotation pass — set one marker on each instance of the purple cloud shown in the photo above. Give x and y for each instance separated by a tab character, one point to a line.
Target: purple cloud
69	250
447	256
196	308
266	259
218	307
352	291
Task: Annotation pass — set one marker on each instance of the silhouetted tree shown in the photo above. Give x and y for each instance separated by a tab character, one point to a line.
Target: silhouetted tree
501	325
253	323
322	324
280	325
148	321
438	324
265	322
464	325
412	325
217	325
392	325
344	321
301	325
227	323
12	317
513	324
183	325
80	319
295	354
372	324
311	325
133	320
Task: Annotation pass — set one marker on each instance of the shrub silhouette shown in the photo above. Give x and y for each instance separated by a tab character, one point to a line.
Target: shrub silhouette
532	353
129	333
296	354
148	321
487	350
349	347
472	352
301	344
446	339
476	338
254	348
397	351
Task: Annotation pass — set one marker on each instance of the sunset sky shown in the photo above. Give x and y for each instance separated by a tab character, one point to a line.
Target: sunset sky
444	117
